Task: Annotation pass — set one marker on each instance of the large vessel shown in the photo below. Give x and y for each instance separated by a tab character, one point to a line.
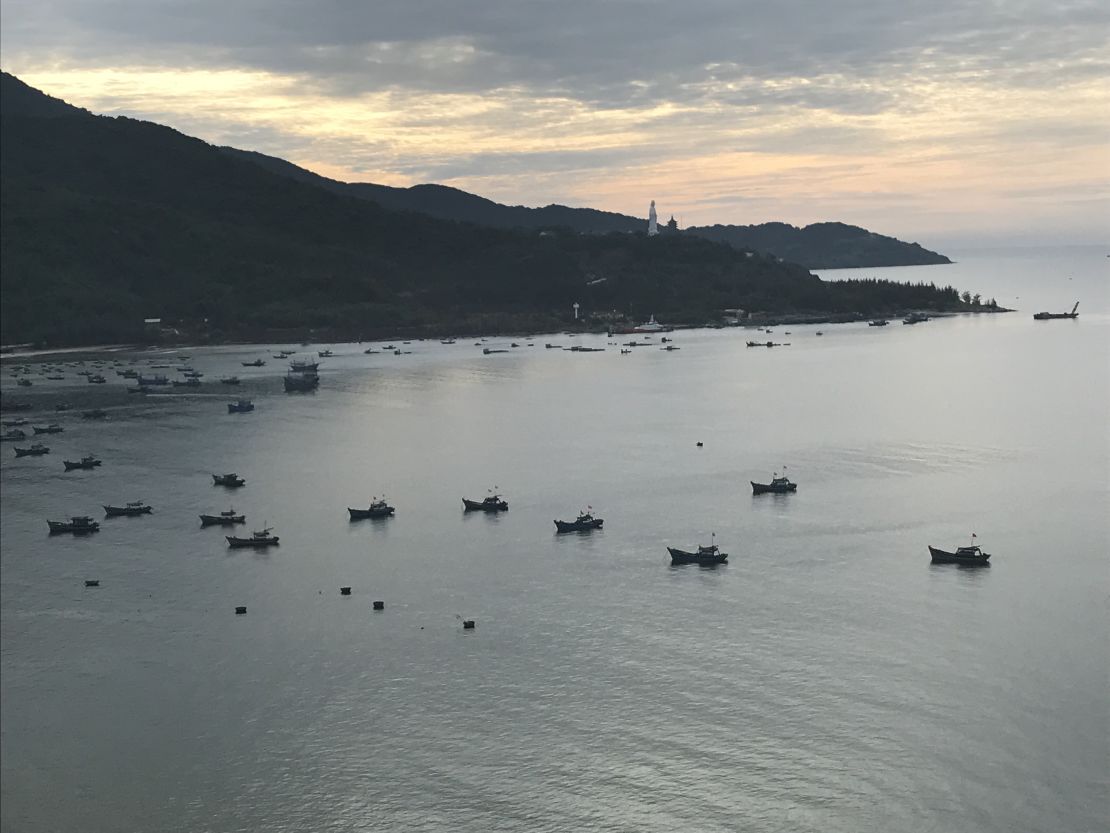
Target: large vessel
1045	316
649	326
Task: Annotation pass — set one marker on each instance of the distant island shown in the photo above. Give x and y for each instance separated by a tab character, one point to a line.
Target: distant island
112	226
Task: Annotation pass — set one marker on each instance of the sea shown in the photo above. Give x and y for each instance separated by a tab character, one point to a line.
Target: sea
828	678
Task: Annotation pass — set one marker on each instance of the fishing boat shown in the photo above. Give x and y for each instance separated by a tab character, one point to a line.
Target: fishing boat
778	485
447	341
97	379
325	354
62	406
14	423
88	462
670	347
584	523
191	382
971	556
156	379
228	517
259	538
36	450
13	434
764	344
243	406
303	366
78	525
255	363
1048	316
130	510
229	380
706	556
377	509
491	503
192	374
231	480
489	350
878	322
25	383
53	428
915	318
95	413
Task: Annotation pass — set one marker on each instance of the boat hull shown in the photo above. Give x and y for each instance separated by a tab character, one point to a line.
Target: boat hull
60	527
127	511
578	526
222	520
363	514
482	506
768	488
70	465
229	483
940	556
706	559
250	543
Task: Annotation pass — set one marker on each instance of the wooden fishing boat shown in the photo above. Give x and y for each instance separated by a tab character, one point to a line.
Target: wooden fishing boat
88	462
971	556
78	525
377	509
226	518
492	503
258	539
583	523
243	406
705	556
36	450
14	434
231	480
130	510
777	486
53	428
255	363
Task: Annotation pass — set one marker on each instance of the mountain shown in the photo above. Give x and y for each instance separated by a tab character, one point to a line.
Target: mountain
107	221
817	246
823	245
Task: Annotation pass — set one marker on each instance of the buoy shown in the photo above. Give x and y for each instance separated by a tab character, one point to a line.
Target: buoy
379	605
239	611
345	591
468	624
92	582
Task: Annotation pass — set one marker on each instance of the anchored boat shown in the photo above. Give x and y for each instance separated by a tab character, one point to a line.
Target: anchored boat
377	509
259	538
584	523
130	510
226	518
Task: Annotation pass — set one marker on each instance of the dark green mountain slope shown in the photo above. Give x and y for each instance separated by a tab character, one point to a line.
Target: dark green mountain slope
818	246
106	221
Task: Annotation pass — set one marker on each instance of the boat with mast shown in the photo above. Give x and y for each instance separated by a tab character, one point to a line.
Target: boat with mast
1048	316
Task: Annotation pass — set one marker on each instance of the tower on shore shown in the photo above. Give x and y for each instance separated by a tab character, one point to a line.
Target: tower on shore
653	221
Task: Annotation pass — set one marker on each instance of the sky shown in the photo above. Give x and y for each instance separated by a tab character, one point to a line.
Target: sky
945	122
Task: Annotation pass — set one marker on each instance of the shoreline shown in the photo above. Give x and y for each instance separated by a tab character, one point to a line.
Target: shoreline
310	338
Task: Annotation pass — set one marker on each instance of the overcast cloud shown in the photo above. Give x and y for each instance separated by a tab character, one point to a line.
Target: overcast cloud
621	101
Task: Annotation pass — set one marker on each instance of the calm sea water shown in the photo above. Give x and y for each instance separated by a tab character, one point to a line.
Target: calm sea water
827	679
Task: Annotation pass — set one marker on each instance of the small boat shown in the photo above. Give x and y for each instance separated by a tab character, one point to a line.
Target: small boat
325	354
243	406
488	350
764	344
25	383
97	379
191	382
584	523
778	485
156	379
303	366
225	518
88	462
229	380
255	363
878	322
1048	316
259	538
706	556
625	351
378	509
62	406
128	373
53	428
193	374
492	503
447	341
971	556
56	378
370	351
95	413
649	326
130	510
670	347
13	434
14	423
915	318
78	525
231	480
36	450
